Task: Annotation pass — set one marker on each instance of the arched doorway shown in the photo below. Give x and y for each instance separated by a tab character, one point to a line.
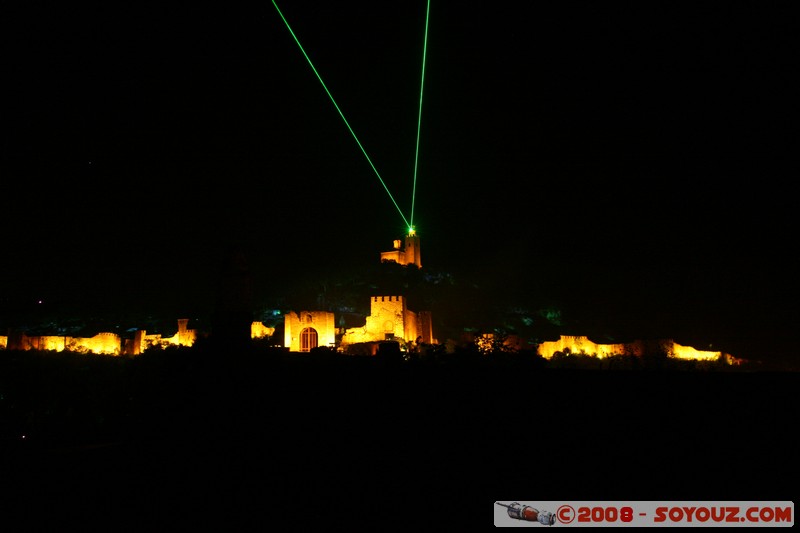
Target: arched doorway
308	339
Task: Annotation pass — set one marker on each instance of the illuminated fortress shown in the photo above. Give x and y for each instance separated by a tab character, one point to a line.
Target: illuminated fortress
390	319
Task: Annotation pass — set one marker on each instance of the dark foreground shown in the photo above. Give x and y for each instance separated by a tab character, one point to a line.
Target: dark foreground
250	443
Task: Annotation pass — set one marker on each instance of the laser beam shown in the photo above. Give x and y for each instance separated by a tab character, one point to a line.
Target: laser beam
340	113
419	115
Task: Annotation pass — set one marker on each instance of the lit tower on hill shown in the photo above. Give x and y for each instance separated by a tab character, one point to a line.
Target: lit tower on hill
405	255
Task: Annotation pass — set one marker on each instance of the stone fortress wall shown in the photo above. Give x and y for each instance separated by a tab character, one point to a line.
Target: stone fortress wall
103	343
580	345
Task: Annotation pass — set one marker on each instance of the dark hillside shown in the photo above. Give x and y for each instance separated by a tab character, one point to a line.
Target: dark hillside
253	435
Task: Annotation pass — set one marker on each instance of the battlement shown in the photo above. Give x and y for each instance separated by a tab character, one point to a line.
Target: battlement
388	299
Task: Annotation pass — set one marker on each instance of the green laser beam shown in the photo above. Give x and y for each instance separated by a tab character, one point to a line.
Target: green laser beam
340	112
419	115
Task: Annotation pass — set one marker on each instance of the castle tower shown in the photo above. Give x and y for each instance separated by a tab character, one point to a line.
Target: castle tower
407	255
412	249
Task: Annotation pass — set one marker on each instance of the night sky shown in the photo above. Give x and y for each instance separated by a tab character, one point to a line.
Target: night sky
627	159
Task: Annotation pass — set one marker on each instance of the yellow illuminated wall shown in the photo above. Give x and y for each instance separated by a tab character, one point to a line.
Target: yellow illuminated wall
102	343
390	318
259	331
582	345
320	324
388	315
184	337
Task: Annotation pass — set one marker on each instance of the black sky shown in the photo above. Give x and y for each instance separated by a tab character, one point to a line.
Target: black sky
632	155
